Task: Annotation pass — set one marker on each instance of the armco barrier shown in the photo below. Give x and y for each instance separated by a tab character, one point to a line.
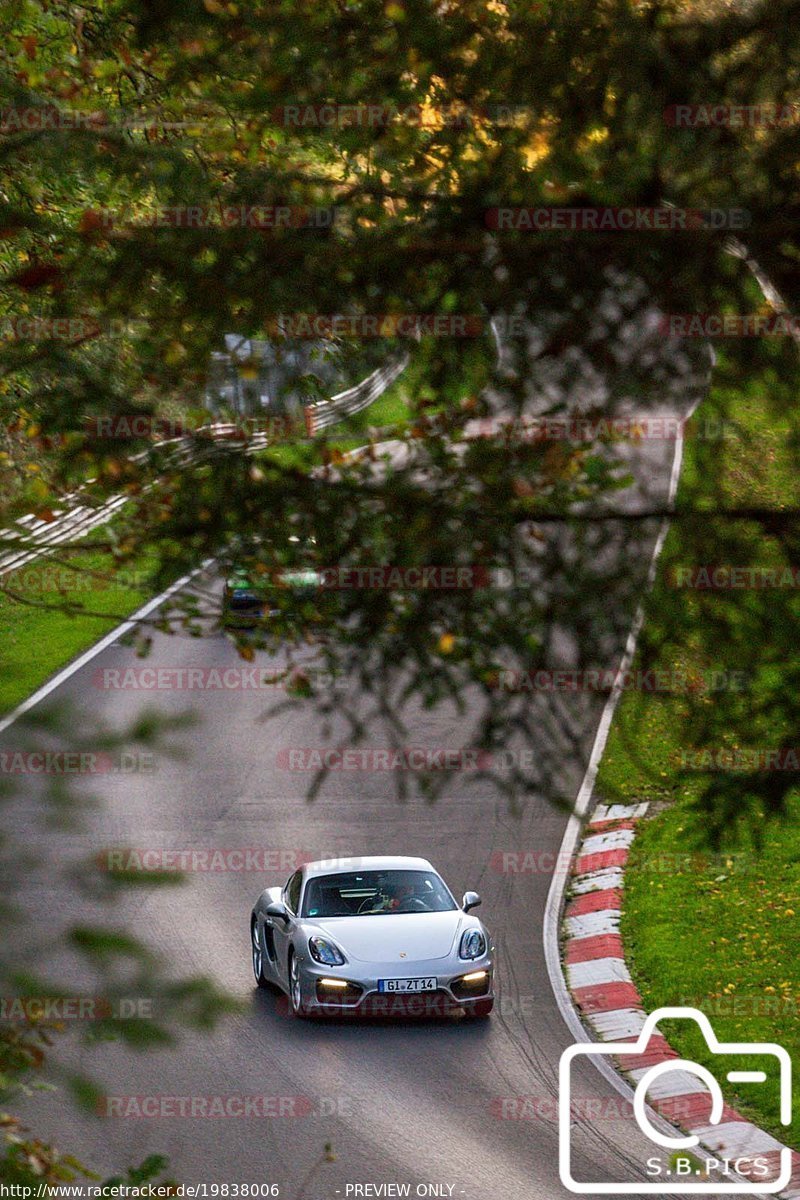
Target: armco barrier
329	412
33	538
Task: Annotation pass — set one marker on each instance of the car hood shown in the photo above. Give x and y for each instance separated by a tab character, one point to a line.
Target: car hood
395	938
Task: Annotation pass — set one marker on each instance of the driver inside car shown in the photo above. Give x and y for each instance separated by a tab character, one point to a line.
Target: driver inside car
391	898
403	893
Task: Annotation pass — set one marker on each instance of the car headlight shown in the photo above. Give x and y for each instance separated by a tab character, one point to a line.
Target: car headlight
473	944
325	952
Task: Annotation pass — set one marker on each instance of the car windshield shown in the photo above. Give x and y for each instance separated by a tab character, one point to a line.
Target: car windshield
369	893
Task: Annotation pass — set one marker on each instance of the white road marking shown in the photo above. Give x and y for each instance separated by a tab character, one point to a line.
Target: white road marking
121	629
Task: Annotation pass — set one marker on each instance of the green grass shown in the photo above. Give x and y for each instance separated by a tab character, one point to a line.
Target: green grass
718	932
392	408
394	411
36	639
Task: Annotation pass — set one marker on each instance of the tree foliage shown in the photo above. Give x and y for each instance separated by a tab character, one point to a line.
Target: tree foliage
119	119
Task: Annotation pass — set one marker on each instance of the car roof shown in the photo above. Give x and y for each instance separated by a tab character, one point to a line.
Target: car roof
377	862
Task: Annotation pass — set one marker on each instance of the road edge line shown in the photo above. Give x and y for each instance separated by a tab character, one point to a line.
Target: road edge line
555	896
118	631
554	905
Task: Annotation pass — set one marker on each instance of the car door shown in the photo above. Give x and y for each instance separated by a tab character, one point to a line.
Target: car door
284	930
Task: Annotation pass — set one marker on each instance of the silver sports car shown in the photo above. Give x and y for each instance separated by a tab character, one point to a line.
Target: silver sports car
377	936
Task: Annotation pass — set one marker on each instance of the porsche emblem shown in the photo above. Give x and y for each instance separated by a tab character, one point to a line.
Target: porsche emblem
403	954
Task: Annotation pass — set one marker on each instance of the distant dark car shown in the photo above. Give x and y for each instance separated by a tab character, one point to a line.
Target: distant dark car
244	603
246	597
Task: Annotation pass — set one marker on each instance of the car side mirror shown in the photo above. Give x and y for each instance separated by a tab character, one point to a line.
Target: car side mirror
471	900
278	911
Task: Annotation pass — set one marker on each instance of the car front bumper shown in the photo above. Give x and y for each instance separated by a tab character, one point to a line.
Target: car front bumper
361	994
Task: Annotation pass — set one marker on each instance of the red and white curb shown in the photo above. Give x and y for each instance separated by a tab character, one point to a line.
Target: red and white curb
609	1002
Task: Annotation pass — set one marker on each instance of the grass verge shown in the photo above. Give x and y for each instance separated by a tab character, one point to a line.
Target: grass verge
716	931
37	637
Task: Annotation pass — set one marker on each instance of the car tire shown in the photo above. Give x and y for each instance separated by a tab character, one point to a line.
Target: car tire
258	956
478	1009
296	1006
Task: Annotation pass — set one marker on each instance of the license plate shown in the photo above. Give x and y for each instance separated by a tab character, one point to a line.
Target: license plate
408	985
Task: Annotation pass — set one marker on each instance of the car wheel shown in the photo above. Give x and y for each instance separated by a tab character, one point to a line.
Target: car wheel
295	990
258	956
481	1008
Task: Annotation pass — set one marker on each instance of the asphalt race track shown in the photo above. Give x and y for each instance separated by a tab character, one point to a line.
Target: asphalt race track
469	1107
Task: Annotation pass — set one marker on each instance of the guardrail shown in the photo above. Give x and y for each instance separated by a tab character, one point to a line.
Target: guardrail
345	404
34	537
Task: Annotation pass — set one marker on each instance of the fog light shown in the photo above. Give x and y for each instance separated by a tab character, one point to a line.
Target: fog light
333	983
474	976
